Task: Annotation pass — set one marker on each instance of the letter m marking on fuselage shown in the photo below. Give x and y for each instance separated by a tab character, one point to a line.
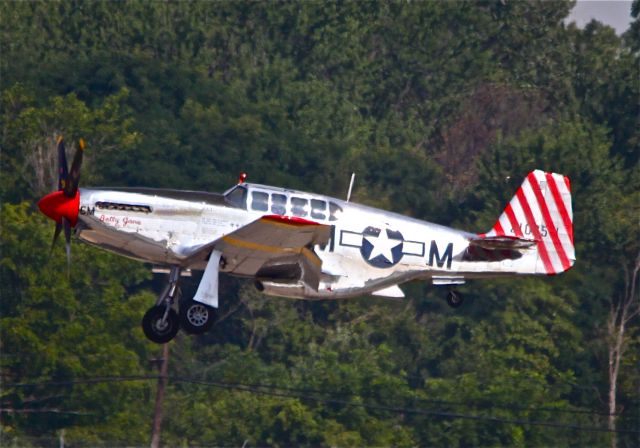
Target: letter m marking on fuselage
446	256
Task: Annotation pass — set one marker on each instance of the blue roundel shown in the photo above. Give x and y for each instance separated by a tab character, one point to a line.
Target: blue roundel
381	248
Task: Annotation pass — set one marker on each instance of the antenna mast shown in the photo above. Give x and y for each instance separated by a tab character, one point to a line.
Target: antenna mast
353	177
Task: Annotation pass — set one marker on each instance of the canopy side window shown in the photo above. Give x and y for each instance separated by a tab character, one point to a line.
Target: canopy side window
278	204
318	209
259	201
299	206
237	197
334	211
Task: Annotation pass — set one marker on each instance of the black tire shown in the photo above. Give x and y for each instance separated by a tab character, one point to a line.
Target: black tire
157	331
196	317
454	299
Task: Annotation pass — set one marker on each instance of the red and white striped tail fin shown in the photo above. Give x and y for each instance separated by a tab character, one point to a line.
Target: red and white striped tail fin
541	211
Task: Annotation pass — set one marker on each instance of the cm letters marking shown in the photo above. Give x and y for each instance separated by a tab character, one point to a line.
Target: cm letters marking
86	210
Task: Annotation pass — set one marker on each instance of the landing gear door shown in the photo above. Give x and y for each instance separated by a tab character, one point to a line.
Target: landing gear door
207	292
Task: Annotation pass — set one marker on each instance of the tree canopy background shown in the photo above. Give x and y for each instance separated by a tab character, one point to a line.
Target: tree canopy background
440	108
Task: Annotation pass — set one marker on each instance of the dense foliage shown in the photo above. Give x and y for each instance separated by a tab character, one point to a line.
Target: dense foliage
440	107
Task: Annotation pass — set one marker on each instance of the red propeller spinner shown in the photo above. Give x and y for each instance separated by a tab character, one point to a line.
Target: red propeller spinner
57	205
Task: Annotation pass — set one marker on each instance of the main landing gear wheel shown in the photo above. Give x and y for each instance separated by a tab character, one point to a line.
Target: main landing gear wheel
196	317
454	299
157	326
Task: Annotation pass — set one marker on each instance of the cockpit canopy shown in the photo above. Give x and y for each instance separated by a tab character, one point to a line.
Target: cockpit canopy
282	202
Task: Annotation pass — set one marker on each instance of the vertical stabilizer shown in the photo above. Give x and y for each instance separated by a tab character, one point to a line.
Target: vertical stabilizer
541	211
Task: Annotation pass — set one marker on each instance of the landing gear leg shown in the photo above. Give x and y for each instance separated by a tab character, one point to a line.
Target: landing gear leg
160	323
454	299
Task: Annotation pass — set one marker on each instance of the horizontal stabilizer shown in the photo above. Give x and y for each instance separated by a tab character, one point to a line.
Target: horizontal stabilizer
440	280
502	242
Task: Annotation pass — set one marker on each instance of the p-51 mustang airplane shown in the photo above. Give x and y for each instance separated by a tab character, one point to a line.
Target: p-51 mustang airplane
303	245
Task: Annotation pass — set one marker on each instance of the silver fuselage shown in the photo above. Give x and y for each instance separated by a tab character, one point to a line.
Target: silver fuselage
369	249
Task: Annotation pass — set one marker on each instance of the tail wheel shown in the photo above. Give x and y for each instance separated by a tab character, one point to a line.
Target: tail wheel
454	299
160	328
196	317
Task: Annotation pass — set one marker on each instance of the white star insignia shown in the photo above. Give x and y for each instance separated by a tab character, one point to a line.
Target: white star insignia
382	245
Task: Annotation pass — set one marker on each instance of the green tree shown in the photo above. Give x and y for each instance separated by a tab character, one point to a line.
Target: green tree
439	107
605	207
55	329
29	139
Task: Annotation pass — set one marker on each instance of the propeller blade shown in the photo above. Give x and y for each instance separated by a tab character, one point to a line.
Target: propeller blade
55	236
63	173
67	241
74	174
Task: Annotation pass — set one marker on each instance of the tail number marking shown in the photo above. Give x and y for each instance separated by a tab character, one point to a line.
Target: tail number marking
526	230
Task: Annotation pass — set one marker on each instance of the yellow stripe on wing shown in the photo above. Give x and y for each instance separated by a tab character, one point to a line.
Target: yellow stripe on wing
309	254
255	246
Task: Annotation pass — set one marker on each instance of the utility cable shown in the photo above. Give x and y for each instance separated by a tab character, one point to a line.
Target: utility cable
283	392
315	391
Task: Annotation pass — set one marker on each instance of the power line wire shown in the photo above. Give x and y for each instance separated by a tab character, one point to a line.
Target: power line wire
243	387
467	403
316	391
283	392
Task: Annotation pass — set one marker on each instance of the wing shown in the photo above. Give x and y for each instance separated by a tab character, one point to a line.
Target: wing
275	247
